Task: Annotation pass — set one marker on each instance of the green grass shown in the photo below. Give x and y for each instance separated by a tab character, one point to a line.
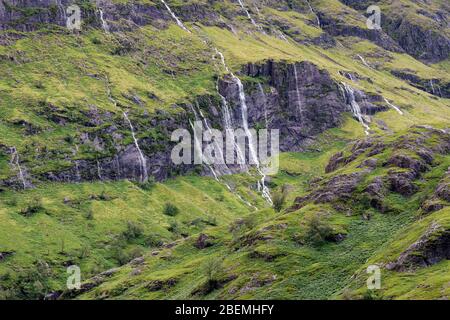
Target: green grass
82	223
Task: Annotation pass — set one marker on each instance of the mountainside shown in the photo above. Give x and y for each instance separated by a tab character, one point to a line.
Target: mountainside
86	171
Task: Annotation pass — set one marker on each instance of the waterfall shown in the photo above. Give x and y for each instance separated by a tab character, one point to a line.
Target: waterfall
393	107
198	147
282	36
143	162
314	13
249	16
223	168
99	171
432	86
222	59
105	25
351	101
364	61
15	161
229	125
253	154
179	23
227	120
299	101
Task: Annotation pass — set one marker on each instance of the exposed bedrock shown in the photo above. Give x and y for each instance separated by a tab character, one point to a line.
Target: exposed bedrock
299	99
431	248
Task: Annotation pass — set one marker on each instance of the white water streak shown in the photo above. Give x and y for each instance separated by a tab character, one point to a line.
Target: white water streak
174	16
364	61
393	106
241	3
99	171
432	86
314	13
356	109
15	160
105	25
143	162
253	153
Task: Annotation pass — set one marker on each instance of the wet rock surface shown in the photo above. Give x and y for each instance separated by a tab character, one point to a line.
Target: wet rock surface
299	99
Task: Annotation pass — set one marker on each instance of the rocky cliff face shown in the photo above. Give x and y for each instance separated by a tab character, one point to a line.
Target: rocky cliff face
299	99
421	40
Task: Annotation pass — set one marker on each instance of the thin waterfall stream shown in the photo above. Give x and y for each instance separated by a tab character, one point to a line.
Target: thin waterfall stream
15	161
105	25
241	3
174	16
313	12
393	106
356	109
253	153
364	61
143	162
263	188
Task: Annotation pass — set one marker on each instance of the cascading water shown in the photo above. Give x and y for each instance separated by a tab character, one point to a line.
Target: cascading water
432	86
143	162
222	167
198	147
364	61
228	124
433	89
265	190
241	3
393	106
253	154
15	161
105	25
99	171
178	21
314	13
349	94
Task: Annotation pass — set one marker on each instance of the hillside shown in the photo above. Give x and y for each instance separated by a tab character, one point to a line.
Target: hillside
87	179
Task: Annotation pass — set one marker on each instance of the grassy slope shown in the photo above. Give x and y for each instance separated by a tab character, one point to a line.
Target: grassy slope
83	223
267	258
